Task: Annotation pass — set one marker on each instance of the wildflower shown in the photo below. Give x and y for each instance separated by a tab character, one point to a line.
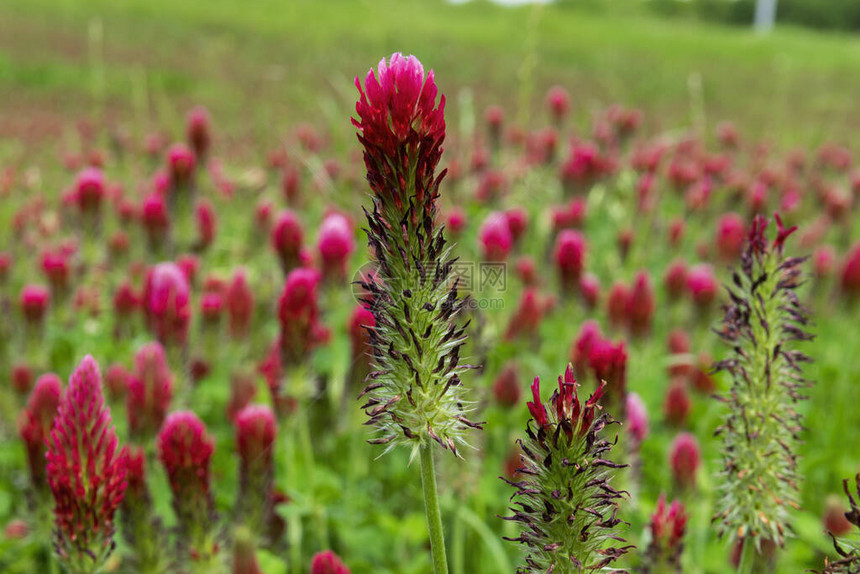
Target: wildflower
761	431
675	279
149	392
617	305
298	314
167	305
34	301
527	317
155	220
702	286
35	422
207	223
180	166
668	525
641	305
608	363
569	256
185	450
636	422
255	438
677	403
86	472
506	387
589	290
360	321
685	457
335	244
240	305
731	232
328	563
90	190
141	529
287	240
589	333
415	395
198	131
565	505
495	237
558	102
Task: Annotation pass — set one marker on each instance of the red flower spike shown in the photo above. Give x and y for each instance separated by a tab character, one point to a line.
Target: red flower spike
240	305
298	314
150	391
536	407
86	472
167	303
328	563
35	422
185	450
402	130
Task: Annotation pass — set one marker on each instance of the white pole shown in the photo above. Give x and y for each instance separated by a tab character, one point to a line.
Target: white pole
765	15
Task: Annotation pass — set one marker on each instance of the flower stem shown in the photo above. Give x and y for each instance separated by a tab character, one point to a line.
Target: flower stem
745	566
431	508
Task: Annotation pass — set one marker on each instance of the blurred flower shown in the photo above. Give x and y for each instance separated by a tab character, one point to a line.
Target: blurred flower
506	387
335	244
167	303
569	256
35	422
198	131
287	239
495	237
685	458
150	390
328	563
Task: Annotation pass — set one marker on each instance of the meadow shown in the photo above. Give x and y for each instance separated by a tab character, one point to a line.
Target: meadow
652	143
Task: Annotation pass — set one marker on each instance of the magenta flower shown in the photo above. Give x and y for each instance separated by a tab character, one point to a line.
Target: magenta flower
569	256
287	240
335	244
34	301
702	286
608	363
298	314
506	387
256	430
850	274
155	220
667	526
589	333
677	403
685	457
180	165
167	303
90	189
35	422
675	279
495	237
641	305
636	419
207	223
558	102
150	390
328	563
240	305
402	131
185	450
198	131
731	234
86	472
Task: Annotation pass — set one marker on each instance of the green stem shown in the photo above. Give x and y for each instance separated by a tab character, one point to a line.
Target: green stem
431	508
745	566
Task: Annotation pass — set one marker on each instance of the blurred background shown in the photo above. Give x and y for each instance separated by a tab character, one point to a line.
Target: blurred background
263	65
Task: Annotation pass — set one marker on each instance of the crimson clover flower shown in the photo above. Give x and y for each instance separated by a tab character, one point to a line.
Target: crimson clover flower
86	472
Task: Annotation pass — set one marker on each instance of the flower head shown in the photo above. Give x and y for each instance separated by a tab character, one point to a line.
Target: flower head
328	563
668	524
240	305
150	390
35	422
167	303
90	189
185	450
565	505
287	239
685	457
402	130
255	438
198	131
335	245
86	472
298	314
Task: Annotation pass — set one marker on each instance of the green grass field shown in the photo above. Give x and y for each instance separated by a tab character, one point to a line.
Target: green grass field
263	66
267	64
